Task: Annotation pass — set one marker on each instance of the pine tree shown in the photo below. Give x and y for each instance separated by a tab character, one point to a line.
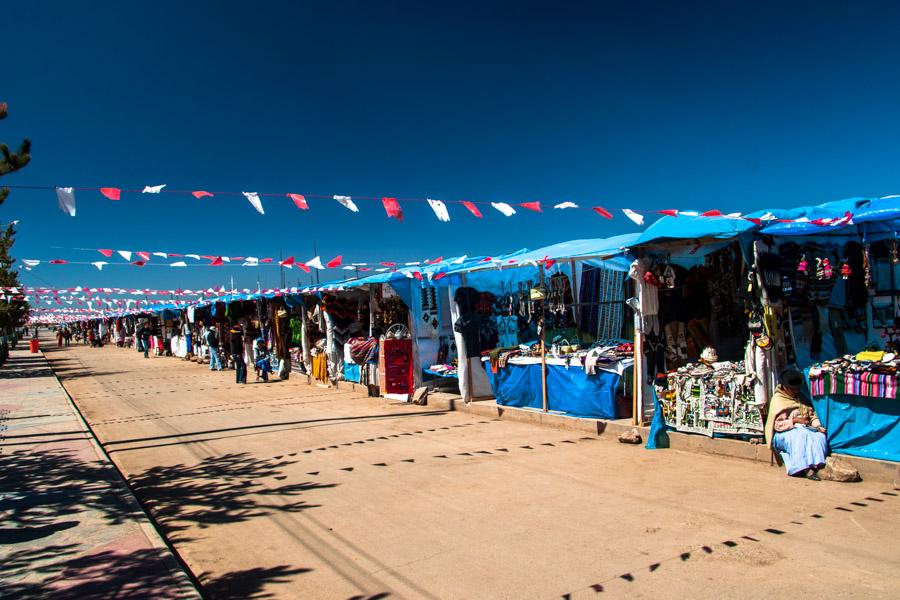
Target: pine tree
12	312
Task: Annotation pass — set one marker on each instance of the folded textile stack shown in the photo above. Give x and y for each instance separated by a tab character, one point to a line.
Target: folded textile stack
871	373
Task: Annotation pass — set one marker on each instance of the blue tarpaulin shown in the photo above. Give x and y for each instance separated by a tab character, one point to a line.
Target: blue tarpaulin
861	425
569	390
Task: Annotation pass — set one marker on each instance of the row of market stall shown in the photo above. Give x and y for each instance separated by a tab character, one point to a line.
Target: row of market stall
687	324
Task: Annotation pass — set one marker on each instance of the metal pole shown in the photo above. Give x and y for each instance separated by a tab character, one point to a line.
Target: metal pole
543	341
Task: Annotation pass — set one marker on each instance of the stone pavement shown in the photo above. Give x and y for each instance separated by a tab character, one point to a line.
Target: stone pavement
69	527
287	490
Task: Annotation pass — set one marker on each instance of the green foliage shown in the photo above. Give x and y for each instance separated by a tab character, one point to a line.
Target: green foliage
12	312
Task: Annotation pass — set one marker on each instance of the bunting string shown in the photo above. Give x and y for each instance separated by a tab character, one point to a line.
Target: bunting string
392	206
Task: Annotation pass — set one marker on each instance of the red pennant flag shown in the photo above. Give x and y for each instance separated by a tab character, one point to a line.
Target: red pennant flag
603	212
438	276
392	208
105	252
57	261
364	269
178	255
486	259
670	212
334	262
265	260
535	206
144	255
287	262
417	275
752	220
549	262
388	264
139	263
200	194
302	266
299	201
472	208
434	261
711	213
216	262
111	193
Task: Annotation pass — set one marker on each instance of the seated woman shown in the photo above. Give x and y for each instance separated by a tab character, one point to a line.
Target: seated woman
262	360
794	430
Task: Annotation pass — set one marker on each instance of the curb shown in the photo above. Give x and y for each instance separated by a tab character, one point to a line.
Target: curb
172	559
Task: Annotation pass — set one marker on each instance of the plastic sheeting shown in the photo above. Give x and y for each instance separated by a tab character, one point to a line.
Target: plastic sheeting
569	390
861	426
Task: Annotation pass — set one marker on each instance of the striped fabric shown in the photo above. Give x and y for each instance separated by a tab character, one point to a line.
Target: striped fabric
856	384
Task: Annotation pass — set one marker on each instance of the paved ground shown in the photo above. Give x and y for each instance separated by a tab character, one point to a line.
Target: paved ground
70	528
293	491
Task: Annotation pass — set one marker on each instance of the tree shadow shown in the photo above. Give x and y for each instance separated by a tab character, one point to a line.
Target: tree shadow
41	489
62	573
221	489
246	584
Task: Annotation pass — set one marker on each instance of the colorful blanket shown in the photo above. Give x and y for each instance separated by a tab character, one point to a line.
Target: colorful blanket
865	383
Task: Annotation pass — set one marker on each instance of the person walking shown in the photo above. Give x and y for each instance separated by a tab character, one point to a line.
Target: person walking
237	354
143	336
212	340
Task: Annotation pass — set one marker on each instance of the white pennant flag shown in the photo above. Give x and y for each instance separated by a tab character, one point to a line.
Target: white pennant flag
347	202
440	210
161	254
66	198
253	198
382	269
251	261
30	263
194	256
179	263
349	268
315	263
99	264
689	213
126	254
153	189
637	218
565	205
505	208
459	260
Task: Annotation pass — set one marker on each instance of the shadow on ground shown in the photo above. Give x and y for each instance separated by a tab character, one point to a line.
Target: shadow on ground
42	491
57	572
221	489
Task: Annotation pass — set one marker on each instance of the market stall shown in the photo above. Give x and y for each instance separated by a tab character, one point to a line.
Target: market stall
534	326
857	398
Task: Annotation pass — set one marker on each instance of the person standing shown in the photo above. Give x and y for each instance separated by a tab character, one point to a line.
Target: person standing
237	354
143	336
212	340
59	337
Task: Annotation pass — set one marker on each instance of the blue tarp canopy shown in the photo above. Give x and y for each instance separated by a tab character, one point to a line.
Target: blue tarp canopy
827	210
693	228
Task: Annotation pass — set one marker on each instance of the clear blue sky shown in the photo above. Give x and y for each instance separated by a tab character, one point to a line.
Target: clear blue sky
728	105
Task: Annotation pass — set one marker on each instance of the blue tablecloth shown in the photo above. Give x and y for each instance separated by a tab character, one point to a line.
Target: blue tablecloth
569	389
351	372
861	425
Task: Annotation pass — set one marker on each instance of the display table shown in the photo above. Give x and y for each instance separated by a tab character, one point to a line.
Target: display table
857	424
569	388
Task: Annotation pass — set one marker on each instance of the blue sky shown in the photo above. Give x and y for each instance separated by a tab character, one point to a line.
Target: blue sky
644	105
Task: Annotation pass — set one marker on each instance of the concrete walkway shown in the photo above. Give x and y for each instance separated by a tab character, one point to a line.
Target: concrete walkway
288	490
70	528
